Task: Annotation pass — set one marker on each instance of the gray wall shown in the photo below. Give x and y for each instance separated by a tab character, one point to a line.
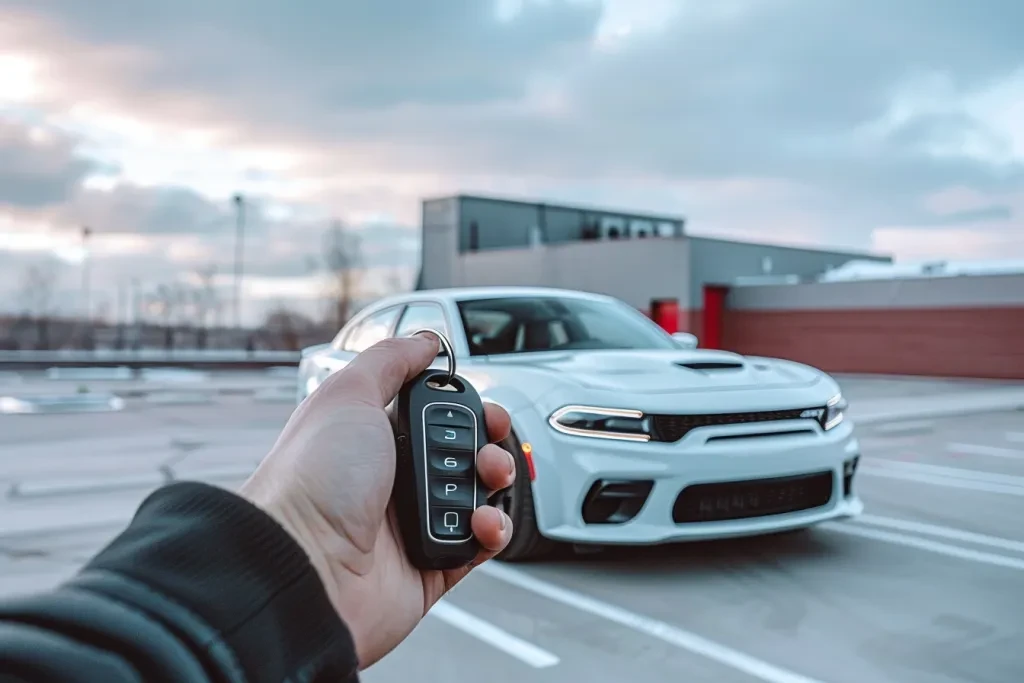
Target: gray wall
938	292
439	253
635	271
721	261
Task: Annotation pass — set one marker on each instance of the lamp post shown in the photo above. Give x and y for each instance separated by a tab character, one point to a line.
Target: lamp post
239	202
86	303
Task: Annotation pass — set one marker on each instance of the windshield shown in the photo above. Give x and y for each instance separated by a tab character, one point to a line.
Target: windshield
527	324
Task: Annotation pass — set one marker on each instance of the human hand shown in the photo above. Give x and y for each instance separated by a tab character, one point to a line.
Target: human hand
328	481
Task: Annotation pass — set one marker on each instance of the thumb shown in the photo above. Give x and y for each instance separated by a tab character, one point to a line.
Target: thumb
376	375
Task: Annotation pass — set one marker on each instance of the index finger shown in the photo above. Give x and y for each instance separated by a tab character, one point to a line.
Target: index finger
376	375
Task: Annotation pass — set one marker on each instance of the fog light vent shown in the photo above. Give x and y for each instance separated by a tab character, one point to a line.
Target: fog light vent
615	502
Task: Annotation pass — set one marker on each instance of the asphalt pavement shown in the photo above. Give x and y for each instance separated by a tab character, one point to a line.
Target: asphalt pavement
926	587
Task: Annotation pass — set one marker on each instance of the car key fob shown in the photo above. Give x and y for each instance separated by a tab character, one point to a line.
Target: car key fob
438	419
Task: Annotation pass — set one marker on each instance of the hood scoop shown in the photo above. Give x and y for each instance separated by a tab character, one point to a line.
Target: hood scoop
704	366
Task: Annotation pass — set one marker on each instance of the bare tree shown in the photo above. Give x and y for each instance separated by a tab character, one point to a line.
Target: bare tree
37	289
205	296
287	327
342	259
38	286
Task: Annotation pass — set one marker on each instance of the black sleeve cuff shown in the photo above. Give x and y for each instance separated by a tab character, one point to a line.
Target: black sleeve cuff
229	564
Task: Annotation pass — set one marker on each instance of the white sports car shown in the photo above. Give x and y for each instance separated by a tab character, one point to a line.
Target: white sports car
625	434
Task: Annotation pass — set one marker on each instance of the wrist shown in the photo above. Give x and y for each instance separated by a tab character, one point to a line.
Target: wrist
298	526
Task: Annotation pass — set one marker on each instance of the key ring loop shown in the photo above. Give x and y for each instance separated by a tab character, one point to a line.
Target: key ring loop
447	345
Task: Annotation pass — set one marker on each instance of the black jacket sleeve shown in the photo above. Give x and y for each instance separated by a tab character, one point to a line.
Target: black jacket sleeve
202	586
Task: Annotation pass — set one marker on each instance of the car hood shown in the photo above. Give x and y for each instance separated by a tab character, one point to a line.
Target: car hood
663	372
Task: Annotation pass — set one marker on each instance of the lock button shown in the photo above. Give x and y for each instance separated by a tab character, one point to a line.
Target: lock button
452	438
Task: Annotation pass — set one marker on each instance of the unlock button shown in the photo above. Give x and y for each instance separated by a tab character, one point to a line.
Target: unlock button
450	492
455	438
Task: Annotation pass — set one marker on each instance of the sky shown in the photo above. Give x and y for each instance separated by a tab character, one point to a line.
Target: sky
874	125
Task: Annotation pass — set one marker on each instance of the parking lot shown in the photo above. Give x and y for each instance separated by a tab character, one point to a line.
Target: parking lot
927	587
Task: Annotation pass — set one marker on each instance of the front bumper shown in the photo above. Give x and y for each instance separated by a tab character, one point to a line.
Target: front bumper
567	468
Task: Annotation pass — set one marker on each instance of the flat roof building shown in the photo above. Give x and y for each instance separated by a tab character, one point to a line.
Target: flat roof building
648	261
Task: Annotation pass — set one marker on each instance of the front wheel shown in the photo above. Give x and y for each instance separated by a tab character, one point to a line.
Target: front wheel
517	502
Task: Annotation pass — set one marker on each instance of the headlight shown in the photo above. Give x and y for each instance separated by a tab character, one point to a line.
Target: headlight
834	411
602	423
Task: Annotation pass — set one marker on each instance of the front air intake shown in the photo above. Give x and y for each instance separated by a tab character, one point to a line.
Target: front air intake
615	502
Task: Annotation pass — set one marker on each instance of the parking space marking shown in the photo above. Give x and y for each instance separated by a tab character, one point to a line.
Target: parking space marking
1015	437
928	545
896	428
977	449
522	650
941	532
654	628
951	477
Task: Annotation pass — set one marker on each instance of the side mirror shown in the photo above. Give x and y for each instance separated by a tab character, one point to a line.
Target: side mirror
685	340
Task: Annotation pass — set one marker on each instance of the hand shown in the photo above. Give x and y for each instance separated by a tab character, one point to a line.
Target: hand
328	481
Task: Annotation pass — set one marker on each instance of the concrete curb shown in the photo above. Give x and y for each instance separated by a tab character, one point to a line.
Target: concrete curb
56	488
43	488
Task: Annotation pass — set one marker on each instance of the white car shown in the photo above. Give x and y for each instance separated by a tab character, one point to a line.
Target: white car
625	434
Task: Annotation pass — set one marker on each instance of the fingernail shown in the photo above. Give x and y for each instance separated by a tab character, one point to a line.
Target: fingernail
511	463
429	336
504	523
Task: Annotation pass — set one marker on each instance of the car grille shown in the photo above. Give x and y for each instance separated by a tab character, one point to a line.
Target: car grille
754	498
671	428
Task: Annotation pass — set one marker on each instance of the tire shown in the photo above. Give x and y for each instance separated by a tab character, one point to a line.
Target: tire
517	501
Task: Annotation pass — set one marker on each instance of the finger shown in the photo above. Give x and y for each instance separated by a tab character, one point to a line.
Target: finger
493	530
376	375
496	467
499	424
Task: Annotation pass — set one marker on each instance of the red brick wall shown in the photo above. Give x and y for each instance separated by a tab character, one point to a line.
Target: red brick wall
964	342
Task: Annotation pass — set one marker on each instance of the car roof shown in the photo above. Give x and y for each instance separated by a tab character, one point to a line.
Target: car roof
499	292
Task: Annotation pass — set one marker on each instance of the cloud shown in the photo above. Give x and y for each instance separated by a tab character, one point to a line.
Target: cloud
805	121
38	167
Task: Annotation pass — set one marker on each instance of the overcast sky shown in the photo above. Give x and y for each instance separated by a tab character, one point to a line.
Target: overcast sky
893	125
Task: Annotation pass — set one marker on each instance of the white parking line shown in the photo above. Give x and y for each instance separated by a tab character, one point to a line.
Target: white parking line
941	532
930	546
950	477
1016	437
652	627
976	449
492	635
896	428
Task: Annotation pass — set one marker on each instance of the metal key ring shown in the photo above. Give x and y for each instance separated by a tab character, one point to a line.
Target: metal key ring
448	349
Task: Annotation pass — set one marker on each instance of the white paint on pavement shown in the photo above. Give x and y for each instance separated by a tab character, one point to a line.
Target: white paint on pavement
1015	437
941	532
977	449
951	477
522	650
652	627
912	426
928	545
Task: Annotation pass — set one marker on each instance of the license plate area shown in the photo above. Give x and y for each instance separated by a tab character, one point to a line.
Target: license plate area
724	501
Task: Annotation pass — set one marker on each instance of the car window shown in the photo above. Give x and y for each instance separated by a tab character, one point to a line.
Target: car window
371	330
525	324
422	315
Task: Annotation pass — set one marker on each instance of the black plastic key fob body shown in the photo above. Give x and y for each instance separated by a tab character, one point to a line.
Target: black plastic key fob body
439	429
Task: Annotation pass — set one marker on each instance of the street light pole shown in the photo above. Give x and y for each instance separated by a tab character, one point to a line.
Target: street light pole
239	239
86	303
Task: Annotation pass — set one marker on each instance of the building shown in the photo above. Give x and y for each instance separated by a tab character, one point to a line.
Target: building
681	281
